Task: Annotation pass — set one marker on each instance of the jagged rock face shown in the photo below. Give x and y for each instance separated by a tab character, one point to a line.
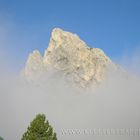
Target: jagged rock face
71	56
34	65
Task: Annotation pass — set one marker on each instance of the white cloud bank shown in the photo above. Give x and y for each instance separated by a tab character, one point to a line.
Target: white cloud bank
113	105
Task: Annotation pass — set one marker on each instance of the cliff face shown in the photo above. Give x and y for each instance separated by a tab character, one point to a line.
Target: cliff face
71	56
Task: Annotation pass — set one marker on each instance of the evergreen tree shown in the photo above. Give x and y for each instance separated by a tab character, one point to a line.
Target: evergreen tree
39	129
1	138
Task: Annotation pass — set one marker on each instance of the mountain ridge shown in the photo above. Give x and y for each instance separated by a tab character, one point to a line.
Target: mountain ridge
67	53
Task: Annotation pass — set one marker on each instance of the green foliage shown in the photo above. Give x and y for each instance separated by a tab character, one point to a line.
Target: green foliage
39	129
1	138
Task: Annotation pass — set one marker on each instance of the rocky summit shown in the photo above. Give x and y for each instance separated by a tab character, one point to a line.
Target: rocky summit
71	56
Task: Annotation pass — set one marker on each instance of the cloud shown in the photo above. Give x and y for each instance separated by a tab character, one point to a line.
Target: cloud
131	61
112	105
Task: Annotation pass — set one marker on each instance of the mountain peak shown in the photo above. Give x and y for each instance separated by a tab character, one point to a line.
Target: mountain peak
61	38
60	32
57	30
68	54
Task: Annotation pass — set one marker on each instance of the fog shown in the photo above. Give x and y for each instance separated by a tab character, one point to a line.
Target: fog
74	113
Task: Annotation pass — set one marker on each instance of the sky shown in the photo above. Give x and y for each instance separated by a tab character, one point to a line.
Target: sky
26	25
112	25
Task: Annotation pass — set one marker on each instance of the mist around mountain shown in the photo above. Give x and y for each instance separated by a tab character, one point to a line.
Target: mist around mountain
111	104
71	57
